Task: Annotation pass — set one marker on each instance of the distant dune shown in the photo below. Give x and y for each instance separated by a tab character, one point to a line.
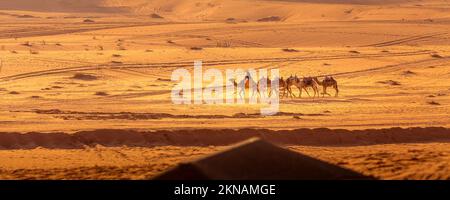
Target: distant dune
285	10
56	6
362	2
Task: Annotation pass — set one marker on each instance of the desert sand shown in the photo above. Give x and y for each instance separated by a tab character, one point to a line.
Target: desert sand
71	68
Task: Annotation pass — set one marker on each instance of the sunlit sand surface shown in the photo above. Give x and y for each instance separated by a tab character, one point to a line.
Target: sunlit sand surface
107	65
391	162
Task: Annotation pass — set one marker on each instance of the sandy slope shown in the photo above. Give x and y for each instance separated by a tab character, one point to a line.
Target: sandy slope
390	74
89	65
286	10
415	153
392	161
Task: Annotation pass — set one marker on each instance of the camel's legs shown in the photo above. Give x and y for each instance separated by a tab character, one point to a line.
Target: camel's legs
337	90
262	94
277	92
306	90
319	92
290	94
255	91
325	91
240	93
285	92
299	92
315	91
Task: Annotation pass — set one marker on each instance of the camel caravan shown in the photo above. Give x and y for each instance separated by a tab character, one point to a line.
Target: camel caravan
285	86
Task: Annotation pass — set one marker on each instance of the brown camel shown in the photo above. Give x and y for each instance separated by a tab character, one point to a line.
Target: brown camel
304	84
289	83
281	90
283	86
329	81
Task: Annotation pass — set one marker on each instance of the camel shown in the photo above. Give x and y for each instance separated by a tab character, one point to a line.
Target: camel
304	84
284	86
281	85
288	84
329	81
268	85
232	80
246	83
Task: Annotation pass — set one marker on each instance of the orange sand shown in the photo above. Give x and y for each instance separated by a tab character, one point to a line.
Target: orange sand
104	64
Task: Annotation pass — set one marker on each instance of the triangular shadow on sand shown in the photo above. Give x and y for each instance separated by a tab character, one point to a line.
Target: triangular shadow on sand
256	159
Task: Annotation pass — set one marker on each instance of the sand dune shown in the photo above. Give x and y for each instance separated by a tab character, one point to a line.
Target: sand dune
310	137
285	10
56	6
384	161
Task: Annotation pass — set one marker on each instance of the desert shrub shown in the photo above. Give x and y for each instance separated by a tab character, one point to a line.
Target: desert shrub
290	50
26	16
348	11
435	55
156	16
27	44
270	19
84	77
408	72
390	82
101	94
196	48
434	103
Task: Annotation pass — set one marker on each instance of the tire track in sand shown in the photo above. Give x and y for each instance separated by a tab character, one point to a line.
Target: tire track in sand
405	40
206	63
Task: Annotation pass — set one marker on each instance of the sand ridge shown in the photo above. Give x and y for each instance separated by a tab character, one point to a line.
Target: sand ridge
207	137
